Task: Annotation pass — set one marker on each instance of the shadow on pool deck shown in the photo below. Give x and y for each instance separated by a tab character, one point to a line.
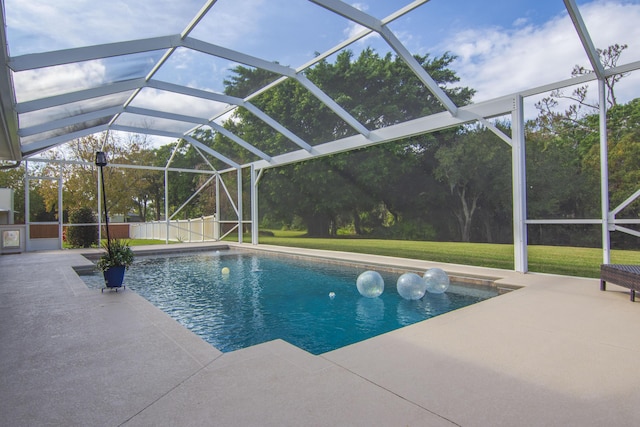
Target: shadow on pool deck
556	352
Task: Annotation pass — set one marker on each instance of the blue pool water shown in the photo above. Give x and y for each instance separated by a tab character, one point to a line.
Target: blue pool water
265	298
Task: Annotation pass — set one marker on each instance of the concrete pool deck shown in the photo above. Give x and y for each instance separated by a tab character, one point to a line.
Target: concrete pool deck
556	352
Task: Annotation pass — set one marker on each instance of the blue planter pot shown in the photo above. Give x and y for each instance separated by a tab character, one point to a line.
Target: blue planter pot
114	276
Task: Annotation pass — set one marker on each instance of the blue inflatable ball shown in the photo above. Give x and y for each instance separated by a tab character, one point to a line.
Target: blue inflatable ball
436	281
370	284
411	286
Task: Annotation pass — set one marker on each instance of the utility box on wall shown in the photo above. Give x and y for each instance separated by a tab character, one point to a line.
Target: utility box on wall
12	239
6	206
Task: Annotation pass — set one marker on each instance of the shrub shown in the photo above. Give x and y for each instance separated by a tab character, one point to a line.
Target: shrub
409	229
83	236
118	254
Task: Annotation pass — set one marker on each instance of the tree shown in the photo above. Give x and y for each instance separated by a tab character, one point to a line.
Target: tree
142	184
574	136
82	236
14	179
609	57
80	180
476	168
128	190
377	91
579	96
623	135
182	185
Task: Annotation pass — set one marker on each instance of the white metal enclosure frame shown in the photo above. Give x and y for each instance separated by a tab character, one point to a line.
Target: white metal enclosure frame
59	178
19	143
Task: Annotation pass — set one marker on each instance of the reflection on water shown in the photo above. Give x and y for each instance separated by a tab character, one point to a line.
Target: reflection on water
369	313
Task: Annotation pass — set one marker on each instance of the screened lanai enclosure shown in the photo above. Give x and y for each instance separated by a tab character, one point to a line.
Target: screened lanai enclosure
209	75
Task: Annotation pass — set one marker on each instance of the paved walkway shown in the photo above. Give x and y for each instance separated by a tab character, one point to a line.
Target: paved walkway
557	352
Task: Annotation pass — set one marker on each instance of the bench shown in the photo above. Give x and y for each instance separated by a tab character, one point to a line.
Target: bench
627	276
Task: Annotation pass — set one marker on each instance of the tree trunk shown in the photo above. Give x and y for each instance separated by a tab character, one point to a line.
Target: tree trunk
465	216
158	202
357	223
317	225
488	231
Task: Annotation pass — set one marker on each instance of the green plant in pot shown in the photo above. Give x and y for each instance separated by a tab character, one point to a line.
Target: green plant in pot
113	263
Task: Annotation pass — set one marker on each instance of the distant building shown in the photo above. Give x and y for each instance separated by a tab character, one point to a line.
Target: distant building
6	206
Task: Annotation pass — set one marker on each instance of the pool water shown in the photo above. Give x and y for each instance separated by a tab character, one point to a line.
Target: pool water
264	297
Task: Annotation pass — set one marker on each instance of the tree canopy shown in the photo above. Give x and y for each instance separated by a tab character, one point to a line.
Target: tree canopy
448	185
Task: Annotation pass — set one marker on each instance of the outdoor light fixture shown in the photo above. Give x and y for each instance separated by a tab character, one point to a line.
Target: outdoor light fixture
101	160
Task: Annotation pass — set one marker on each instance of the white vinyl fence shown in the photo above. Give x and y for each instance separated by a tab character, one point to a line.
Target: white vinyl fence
202	229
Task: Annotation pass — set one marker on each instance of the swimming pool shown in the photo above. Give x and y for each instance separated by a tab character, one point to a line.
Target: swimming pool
267	297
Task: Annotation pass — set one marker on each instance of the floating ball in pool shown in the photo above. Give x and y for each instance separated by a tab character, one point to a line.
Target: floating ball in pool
436	281
411	286
225	270
370	284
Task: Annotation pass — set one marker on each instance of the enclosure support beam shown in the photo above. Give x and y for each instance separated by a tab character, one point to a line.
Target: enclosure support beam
202	187
368	21
585	38
604	174
239	205
216	222
166	202
60	207
519	187
27	206
254	206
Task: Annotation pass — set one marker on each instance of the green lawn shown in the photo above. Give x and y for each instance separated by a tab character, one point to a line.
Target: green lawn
564	260
142	242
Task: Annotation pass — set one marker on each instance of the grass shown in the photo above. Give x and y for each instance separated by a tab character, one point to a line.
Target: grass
571	261
143	242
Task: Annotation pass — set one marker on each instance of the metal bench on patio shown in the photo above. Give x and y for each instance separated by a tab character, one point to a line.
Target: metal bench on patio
627	276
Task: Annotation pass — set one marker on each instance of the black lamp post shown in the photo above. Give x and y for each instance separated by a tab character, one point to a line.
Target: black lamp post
101	161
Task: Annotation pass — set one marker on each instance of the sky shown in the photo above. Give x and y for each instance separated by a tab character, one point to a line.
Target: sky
502	46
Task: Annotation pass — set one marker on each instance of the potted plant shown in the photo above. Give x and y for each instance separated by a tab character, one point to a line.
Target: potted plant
114	262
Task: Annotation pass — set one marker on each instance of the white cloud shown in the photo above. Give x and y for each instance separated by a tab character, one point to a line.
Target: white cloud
40	25
231	22
498	61
520	22
493	60
354	29
173	102
46	82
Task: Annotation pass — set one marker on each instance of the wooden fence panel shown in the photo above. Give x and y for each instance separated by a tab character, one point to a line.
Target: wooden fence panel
43	231
116	231
50	231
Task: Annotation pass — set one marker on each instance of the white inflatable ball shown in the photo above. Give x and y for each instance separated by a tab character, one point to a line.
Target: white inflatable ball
436	281
370	284
411	286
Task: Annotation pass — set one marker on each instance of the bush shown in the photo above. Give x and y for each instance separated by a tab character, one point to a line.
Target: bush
410	229
83	236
